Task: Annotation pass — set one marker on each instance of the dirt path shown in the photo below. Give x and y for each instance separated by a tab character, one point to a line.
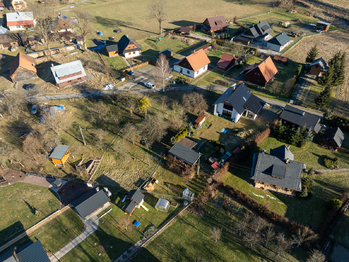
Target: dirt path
332	170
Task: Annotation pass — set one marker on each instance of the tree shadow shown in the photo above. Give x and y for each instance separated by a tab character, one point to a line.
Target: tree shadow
183	23
321	159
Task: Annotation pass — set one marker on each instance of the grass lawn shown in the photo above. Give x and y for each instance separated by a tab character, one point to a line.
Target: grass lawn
309	211
209	78
341	233
189	239
19	200
314	92
111	240
59	232
133	19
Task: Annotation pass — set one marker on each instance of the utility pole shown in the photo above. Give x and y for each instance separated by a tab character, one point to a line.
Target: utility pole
82	135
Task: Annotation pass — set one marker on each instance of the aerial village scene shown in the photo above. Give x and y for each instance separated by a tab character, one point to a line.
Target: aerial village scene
158	130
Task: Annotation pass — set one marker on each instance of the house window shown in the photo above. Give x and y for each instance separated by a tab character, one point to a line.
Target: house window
228	107
79	78
69	81
134	52
197	72
188	72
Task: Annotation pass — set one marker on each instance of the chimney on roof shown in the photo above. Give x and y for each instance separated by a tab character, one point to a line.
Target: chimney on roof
303	113
127	35
287	160
288	147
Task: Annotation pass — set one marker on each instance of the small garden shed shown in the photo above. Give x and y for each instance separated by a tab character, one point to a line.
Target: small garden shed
60	155
162	205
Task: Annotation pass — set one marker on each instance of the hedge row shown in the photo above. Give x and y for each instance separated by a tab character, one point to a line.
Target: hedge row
254	205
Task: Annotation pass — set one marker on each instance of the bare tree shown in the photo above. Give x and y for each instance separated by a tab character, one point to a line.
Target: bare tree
13	103
7	153
158	12
130	132
163	71
258	223
316	256
283	244
194	103
216	234
304	235
251	238
85	20
268	234
243	223
153	129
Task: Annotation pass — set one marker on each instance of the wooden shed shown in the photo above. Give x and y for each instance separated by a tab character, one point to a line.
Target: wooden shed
167	52
200	120
60	155
324	26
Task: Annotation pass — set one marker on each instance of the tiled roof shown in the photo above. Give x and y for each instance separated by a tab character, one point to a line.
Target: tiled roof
282	152
216	22
197	60
267	68
125	41
136	196
336	134
226	60
187	142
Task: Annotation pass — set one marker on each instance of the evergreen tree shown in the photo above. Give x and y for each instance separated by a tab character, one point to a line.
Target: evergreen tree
324	98
328	78
296	136
313	52
304	192
340	74
308	136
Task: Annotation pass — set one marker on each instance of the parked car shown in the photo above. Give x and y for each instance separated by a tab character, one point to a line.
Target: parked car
34	109
28	86
131	73
150	85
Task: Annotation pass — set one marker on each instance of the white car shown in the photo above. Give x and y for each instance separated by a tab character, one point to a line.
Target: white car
108	87
150	85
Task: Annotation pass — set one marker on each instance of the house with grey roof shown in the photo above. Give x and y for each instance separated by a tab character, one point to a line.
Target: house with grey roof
238	101
129	47
182	150
318	67
277	172
295	117
134	199
279	42
32	252
69	73
93	202
258	33
333	138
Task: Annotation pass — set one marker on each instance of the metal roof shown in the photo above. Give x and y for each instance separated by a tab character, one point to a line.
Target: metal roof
125	41
336	134
324	23
287	175
280	39
59	152
282	152
112	48
129	206
254	104
67	69
321	62
33	253
136	196
187	155
19	16
301	118
260	29
90	202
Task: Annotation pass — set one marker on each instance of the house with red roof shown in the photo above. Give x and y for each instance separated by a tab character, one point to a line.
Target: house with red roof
193	65
68	73
20	20
22	68
226	62
261	73
214	24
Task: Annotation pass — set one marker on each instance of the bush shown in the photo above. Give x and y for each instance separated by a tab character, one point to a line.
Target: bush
331	163
181	134
334	203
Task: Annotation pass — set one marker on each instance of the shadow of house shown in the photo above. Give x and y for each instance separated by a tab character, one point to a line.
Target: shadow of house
11	232
71	191
183	23
44	71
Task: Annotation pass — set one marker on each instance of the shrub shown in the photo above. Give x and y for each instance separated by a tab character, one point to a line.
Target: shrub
181	134
334	203
331	163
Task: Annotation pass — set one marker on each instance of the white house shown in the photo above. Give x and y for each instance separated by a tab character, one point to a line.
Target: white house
193	65
279	42
20	20
128	47
238	101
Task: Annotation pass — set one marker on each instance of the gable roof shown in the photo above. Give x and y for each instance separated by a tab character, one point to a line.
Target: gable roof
196	60
125	41
187	142
240	97
187	155
226	60
90	202
22	61
67	69
59	151
19	18
336	134
136	196
280	39
321	62
33	253
260	29
184	29
112	48
301	118
266	67
166	51
280	58
282	152
71	22
200	118
216	23
129	206
270	169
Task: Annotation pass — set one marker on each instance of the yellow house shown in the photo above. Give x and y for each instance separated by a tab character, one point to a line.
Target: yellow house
60	155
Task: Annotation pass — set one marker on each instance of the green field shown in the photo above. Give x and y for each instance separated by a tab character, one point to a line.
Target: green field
111	239
20	201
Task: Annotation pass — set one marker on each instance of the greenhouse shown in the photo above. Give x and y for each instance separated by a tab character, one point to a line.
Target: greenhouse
162	205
